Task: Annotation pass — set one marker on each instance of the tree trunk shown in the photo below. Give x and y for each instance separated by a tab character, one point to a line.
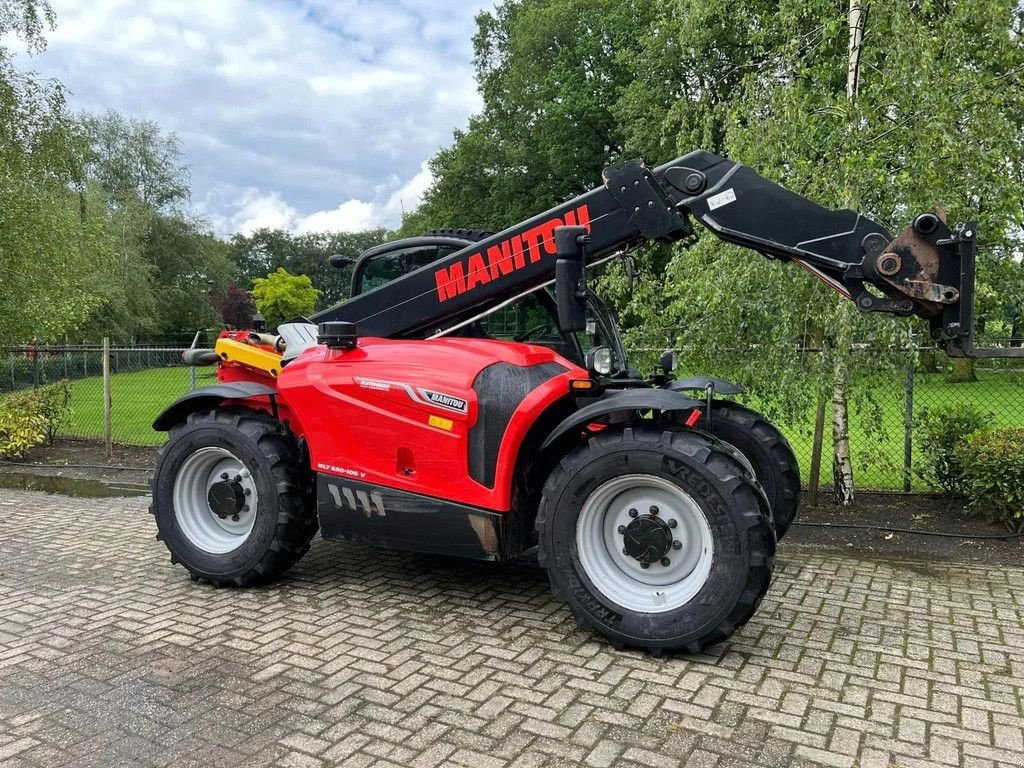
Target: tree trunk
963	371
842	464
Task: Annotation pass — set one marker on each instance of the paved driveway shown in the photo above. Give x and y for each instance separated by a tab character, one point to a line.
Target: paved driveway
110	656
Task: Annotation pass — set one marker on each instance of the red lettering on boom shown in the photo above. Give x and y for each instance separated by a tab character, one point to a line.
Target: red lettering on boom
477	272
505	257
450	282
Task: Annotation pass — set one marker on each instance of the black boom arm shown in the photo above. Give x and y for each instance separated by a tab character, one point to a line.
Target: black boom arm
927	269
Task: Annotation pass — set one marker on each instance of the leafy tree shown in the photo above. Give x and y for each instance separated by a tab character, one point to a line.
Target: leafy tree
282	296
27	20
237	307
192	266
135	160
53	241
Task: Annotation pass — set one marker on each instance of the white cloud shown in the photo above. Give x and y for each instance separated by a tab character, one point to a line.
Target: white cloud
350	216
248	210
292	114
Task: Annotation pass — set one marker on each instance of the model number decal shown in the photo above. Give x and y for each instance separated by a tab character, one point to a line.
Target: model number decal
334	469
722	198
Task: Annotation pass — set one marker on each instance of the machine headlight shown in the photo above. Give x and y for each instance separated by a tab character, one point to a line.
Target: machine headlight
599	360
669	360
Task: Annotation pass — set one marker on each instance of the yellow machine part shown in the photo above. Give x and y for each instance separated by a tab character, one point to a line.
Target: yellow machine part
232	351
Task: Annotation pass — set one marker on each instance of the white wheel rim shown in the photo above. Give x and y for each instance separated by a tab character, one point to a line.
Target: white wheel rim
621	577
196	518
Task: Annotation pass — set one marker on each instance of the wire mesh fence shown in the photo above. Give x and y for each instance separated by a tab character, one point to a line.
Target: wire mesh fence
143	381
884	438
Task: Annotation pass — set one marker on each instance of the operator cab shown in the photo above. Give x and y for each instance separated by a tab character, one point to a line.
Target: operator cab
532	319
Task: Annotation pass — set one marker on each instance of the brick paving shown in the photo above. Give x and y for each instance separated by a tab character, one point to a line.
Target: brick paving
109	656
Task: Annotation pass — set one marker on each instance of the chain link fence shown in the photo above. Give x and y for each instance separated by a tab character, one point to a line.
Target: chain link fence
883	438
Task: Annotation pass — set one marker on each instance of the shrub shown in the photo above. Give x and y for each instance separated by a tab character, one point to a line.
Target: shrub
940	433
32	416
19	431
993	466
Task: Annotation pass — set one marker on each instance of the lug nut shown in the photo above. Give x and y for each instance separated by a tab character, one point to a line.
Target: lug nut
633	513
235	517
245	508
654	509
677	544
223	475
622	529
238	478
248	492
625	551
644	564
666	562
672	523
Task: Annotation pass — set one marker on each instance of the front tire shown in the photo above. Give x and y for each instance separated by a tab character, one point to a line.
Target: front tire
768	453
230	497
658	540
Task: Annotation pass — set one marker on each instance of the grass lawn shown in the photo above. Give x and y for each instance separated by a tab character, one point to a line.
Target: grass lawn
136	399
878	459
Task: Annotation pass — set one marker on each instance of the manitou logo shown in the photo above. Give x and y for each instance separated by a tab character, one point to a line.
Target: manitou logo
505	257
450	402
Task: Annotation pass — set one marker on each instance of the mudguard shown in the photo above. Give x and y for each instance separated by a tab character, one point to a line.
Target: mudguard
623	400
208	397
720	386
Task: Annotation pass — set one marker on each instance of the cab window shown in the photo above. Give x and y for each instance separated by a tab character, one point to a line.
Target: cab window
532	320
385	267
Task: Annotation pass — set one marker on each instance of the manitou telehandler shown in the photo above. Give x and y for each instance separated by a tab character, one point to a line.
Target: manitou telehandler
472	398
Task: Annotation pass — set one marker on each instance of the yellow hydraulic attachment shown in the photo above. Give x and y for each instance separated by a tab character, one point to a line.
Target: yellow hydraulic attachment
231	351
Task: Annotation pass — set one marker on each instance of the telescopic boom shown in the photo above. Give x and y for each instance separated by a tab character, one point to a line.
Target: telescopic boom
926	270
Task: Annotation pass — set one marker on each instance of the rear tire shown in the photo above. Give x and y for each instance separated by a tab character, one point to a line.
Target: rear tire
706	573
231	499
768	452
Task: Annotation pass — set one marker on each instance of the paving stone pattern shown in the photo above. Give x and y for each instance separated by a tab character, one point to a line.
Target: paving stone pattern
110	656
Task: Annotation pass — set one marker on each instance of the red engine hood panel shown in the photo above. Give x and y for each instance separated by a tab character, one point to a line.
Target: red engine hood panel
399	412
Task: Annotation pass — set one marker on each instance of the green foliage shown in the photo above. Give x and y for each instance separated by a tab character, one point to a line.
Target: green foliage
53	402
32	416
26	20
282	296
265	250
135	160
941	436
993	464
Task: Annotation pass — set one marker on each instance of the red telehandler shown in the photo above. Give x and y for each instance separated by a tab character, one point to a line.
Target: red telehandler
472	398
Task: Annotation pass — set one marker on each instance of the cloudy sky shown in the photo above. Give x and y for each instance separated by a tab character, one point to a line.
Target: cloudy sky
302	114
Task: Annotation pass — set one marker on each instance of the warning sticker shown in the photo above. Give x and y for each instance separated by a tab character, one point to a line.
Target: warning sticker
437	421
722	198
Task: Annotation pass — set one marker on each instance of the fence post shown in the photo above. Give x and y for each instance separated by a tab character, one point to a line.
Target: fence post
908	428
35	366
108	432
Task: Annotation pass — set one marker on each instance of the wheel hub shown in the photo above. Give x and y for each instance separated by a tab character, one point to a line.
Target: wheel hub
647	539
226	498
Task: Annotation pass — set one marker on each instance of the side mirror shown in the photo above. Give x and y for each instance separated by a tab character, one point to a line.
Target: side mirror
339	260
570	278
